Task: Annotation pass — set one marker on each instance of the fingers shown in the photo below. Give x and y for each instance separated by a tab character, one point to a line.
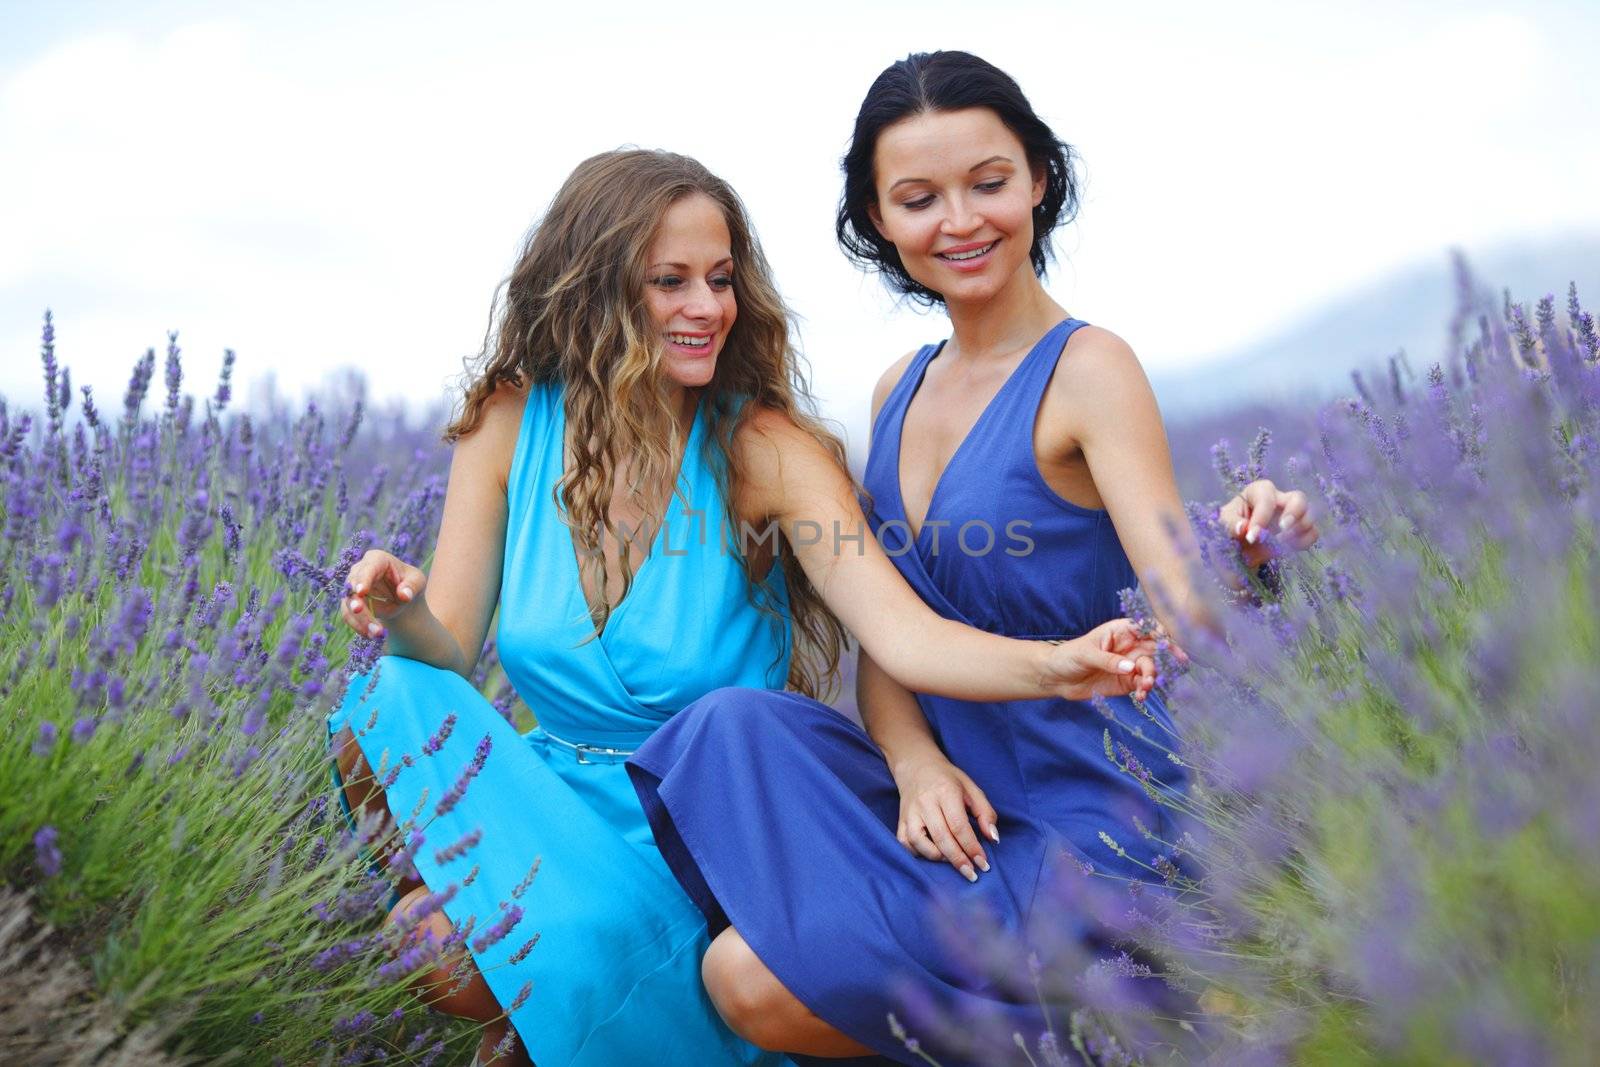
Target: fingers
1296	527
960	828
1126	642
1114	640
357	615
358	583
1293	508
1143	678
378	583
1233	513
1262	508
1262	505
935	826
938	831
983	812
406	580
912	834
1131	673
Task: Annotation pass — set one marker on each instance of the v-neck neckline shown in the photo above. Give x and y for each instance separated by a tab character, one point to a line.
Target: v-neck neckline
680	487
983	416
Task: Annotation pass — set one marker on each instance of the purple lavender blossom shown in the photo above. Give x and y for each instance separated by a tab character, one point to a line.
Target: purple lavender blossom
496	933
436	742
448	802
522	953
45	743
458	848
46	852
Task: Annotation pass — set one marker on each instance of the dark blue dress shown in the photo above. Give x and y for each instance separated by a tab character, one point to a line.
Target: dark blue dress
778	814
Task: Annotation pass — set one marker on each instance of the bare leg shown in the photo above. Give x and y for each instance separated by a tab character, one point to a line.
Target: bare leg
758	1008
364	795
454	986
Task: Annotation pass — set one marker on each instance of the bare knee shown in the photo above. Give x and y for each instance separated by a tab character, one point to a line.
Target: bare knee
747	995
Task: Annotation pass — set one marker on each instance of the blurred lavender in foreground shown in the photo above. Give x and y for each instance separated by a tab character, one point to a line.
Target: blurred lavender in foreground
1391	849
169	648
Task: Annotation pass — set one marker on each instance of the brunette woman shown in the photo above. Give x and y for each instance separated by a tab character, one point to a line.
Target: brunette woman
804	839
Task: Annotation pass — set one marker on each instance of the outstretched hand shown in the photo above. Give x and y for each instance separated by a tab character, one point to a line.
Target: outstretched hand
378	589
1113	659
1265	520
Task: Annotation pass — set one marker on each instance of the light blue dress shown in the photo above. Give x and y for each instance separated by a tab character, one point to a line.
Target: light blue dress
615	972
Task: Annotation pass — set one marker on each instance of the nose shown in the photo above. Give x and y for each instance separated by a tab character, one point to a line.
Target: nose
962	217
701	302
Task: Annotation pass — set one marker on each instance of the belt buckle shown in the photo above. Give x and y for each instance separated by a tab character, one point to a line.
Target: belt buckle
607	755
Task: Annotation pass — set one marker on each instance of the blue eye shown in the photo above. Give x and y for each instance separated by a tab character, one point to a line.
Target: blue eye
722	281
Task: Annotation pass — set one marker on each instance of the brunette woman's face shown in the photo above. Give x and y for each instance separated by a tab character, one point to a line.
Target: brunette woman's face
956	199
689	288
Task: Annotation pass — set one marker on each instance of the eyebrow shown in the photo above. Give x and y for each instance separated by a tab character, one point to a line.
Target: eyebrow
685	267
975	166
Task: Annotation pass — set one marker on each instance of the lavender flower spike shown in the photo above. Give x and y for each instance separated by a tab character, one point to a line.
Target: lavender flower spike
459	790
46	852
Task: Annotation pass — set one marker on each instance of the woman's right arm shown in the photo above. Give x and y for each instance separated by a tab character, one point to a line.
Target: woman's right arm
935	794
442	618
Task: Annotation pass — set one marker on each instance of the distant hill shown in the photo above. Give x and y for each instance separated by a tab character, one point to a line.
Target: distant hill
1408	309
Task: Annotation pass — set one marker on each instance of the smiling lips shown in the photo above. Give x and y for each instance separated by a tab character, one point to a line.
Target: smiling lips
968	257
690	344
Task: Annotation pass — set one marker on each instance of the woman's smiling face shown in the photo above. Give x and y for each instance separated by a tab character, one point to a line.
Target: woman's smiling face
689	288
955	196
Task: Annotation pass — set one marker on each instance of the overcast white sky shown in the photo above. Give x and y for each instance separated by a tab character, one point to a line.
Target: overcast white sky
318	185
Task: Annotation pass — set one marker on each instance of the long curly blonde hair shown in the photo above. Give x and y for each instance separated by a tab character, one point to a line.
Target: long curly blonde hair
573	312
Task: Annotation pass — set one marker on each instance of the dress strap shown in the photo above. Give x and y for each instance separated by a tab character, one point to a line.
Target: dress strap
893	411
1021	404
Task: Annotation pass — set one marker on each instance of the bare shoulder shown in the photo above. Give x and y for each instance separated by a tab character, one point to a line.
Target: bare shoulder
489	447
1098	385
781	463
766	435
1096	354
890	378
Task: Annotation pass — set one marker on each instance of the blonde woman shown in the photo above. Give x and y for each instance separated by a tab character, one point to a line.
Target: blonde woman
637	487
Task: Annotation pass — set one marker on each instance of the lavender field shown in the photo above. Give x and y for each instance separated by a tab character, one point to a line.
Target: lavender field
1392	852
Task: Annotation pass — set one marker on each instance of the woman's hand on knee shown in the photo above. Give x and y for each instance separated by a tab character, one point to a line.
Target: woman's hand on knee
938	804
378	589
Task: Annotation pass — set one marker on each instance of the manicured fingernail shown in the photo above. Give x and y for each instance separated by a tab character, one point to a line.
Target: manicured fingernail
968	873
1253	536
983	864
1285	522
405	592
994	835
1125	666
373	629
1238	528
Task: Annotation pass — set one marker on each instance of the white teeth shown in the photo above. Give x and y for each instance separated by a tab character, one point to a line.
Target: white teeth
974	254
692	342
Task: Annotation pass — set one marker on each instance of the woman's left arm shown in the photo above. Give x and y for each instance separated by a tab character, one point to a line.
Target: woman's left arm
788	477
1124	444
